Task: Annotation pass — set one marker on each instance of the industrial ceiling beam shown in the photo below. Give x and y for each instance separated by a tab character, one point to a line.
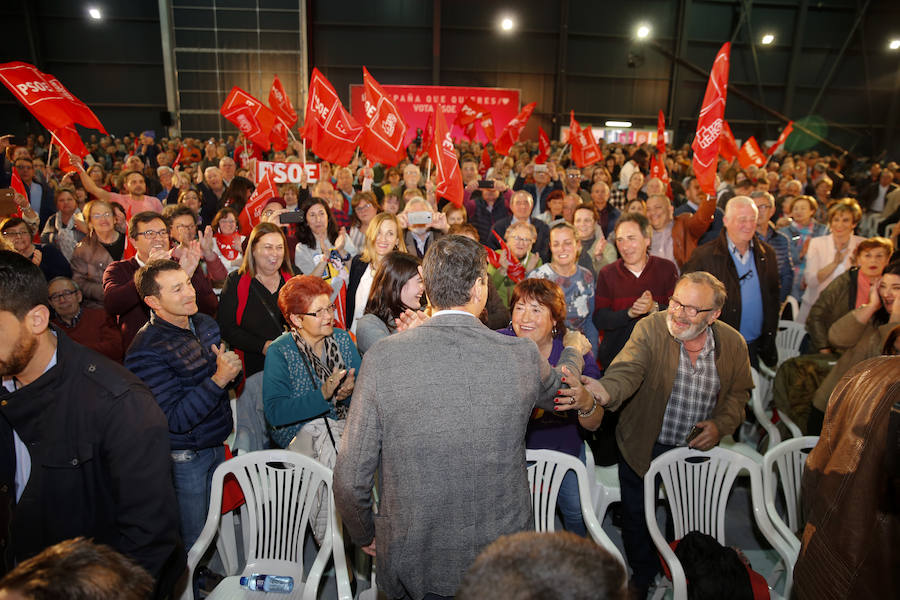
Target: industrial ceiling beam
837	61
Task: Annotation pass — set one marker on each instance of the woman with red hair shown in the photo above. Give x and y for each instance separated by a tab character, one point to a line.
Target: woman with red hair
310	370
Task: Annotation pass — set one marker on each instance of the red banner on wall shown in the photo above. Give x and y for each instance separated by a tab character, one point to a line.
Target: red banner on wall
416	102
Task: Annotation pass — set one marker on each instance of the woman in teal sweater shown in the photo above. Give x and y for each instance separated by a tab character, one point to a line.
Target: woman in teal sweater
310	370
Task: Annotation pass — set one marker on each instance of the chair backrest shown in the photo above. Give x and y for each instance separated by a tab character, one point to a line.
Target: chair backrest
280	487
795	307
697	485
546	469
789	459
788	339
759	402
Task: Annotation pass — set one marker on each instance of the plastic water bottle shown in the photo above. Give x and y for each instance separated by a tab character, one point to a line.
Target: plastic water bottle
257	582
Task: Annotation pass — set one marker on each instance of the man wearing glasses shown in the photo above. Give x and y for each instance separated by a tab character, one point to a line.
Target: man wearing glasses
91	327
682	378
149	234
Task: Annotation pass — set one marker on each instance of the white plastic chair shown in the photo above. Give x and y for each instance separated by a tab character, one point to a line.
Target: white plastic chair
790	459
760	391
279	486
604	485
788	340
697	485
546	470
795	307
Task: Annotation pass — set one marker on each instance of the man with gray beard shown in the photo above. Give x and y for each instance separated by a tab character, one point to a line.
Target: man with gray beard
688	378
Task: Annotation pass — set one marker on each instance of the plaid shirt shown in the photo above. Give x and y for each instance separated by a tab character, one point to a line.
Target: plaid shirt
617	199
694	394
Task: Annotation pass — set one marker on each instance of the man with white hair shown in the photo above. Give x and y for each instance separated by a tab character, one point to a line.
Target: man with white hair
749	269
167	181
228	167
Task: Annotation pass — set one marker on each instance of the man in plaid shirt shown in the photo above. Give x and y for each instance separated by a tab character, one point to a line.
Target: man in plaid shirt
682	378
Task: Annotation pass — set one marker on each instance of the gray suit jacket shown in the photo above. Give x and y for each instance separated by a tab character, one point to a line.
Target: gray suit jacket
441	411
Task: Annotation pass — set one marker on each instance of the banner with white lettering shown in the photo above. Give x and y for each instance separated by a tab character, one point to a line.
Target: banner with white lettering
287	172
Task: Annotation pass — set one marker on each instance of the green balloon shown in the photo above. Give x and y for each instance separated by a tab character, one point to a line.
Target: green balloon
800	140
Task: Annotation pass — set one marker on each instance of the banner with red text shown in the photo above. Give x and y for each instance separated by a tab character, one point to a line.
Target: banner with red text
283	172
416	102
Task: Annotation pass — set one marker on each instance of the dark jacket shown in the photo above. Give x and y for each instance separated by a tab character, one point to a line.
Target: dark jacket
262	321
177	365
100	463
120	297
357	269
531	188
483	218
715	258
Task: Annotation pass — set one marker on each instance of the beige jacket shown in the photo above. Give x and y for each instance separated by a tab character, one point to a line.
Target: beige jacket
89	260
639	382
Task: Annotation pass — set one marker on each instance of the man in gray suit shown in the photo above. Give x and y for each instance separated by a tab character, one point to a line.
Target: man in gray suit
440	411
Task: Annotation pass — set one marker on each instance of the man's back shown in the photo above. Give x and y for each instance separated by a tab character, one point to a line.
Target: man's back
447	404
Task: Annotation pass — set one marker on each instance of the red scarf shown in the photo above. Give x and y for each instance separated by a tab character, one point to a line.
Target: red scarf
227	244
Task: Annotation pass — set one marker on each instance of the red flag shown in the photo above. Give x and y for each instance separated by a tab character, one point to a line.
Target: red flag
470	131
281	105
781	138
512	131
264	192
340	307
130	250
385	129
449	179
543	147
661	133
331	132
709	125
17	184
728	147
492	257
584	147
751	154
515	271
427	134
252	117
468	113
487	123
178	157
279	136
485	162
46	98
658	170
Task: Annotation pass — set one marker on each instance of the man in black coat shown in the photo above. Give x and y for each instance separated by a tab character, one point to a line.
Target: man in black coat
749	269
85	449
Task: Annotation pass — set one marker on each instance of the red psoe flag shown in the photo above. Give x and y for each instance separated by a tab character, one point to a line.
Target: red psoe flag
384	127
751	154
659	171
281	105
728	147
709	125
252	213
543	147
661	134
178	157
46	98
68	142
512	131
252	117
485	162
279	136
469	112
329	130
781	138
470	131
487	123
443	155
584	147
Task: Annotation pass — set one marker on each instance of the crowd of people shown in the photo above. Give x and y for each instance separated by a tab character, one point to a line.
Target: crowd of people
644	305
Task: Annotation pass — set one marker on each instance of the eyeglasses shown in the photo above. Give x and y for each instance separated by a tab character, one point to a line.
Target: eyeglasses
321	313
103	215
516	238
15	234
151	234
268	213
690	311
186	227
61	295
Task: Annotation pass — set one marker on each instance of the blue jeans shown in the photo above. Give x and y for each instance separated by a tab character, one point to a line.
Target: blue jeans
569	501
192	471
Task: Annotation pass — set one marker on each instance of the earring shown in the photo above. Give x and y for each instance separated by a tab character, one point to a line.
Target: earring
553	331
509	326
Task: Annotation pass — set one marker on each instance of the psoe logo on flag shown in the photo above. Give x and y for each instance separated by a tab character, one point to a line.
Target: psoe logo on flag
709	135
389	123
